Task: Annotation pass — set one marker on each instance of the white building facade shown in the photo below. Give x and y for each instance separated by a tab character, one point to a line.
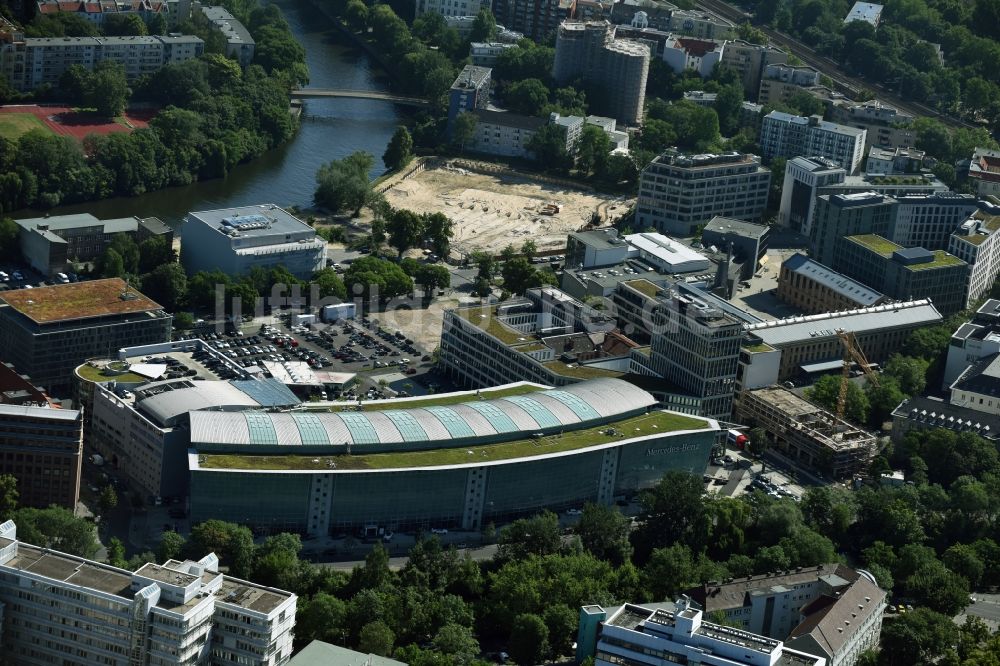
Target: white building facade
451	7
803	177
785	135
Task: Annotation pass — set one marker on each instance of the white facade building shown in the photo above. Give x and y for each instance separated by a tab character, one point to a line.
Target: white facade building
239	43
803	178
697	55
451	7
62	609
973	340
785	135
978	244
984	171
665	254
868	12
234	240
486	54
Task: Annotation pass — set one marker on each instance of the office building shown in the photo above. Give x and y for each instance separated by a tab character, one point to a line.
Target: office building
780	82
595	249
888	127
42	446
47	331
666	255
984	172
486	54
929	220
775	351
535	19
52	245
745	241
318	653
679	192
450	7
696	348
782	605
30	62
839	215
893	186
239	43
178	612
978	386
973	340
614	68
813	288
470	91
750	61
803	178
689	54
234	240
921	414
785	135
888	162
414	463
977	242
809	435
701	24
904	273
675	633
868	12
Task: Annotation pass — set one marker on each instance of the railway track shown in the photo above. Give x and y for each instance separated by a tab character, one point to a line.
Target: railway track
849	85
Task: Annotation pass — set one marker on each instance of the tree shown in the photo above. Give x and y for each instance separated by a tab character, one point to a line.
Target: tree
124	25
405	228
463	129
8	496
343	184
356	15
484	28
155	252
911	373
170	546
519	275
439	230
826	392
457	642
538	535
108	499
167	285
529	640
669	571
322	618
110	264
56	528
129	251
330	284
604	533
399	152
671	512
919	637
528	97
432	277
232	543
758	441
548	146
728	105
377	278
109	91
592	150
376	638
561	622
883	399
116	553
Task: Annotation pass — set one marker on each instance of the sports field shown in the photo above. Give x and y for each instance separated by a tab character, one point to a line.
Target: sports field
19	119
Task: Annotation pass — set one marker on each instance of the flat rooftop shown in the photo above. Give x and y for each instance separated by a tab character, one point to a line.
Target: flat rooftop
832	280
652	423
259	221
69	569
79	300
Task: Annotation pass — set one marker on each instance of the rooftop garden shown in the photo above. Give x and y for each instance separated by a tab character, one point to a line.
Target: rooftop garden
580	371
92	374
941	259
486	319
758	347
436	401
644	287
877	244
637	426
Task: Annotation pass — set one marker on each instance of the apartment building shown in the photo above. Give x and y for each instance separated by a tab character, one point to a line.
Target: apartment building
98	12
46	332
451	7
811	436
904	273
839	215
892	161
701	24
785	135
675	633
679	192
234	240
30	62
535	19
973	340
775	351
887	126
750	61
470	91
984	172
616	67
804	176
978	386
813	288
174	613
689	54
42	446
486	54
52	244
240	44
781	81
977	242
868	12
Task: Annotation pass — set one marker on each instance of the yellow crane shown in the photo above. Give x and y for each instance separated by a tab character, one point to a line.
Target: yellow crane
852	352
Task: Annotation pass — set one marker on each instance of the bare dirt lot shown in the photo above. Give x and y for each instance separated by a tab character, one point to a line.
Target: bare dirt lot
492	211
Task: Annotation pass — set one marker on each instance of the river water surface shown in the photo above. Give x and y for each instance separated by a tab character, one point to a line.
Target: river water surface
330	129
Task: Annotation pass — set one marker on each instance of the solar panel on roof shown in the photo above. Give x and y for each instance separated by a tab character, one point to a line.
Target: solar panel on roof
311	430
408	426
579	406
261	429
536	410
362	431
456	426
500	421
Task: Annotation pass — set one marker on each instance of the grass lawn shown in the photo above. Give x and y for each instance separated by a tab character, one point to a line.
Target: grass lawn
13	125
646	424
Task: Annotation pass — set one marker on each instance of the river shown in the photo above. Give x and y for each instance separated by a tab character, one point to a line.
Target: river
330	129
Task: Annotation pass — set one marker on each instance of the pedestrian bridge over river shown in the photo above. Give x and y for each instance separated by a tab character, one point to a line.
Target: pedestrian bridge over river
305	93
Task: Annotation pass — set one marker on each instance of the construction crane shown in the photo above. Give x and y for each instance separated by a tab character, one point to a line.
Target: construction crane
852	353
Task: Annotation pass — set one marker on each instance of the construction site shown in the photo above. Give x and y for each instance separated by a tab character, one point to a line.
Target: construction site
810	435
493	210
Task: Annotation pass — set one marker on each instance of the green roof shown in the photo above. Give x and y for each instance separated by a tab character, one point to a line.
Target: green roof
436	401
759	347
92	374
637	426
941	259
877	244
485	318
580	371
644	287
